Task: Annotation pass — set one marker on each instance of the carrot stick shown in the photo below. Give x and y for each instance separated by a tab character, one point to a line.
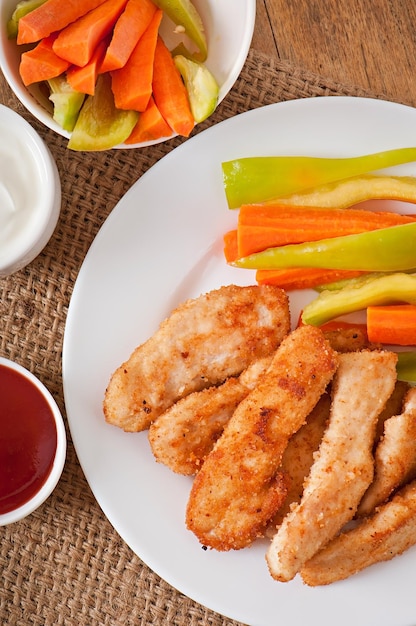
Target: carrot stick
129	28
231	246
170	92
267	226
77	42
51	17
132	84
150	126
289	278
41	63
83	79
337	325
302	277
392	324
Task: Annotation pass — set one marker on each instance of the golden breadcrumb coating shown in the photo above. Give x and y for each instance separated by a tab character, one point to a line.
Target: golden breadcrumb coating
239	486
387	533
343	468
203	342
184	435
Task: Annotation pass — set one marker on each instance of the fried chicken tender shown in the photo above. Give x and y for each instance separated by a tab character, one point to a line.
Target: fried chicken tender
344	464
393	406
202	343
386	534
348	339
395	456
185	434
299	456
239	486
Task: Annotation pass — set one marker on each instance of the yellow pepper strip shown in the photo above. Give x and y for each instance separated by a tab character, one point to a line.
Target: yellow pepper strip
390	249
358	294
345	193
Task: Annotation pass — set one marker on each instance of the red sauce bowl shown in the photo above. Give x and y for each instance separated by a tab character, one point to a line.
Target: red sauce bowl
32	442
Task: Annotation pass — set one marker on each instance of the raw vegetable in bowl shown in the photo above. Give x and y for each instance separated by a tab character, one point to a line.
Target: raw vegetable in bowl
110	75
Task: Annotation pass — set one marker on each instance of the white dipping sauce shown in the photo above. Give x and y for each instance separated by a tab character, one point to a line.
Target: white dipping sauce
29	192
20	193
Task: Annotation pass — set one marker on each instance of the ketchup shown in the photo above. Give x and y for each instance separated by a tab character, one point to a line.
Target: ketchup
28	439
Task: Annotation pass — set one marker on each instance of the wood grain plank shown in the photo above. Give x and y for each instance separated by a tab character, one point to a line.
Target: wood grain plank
368	44
263	36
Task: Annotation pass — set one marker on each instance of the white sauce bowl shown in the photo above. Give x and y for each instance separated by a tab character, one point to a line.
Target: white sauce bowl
229	27
30	193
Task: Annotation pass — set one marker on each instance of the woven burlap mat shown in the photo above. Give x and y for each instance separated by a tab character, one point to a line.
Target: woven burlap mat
65	564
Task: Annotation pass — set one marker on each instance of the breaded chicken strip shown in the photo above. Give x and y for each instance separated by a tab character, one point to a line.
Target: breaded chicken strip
343	468
299	456
381	537
393	406
348	339
202	343
395	457
239	487
184	435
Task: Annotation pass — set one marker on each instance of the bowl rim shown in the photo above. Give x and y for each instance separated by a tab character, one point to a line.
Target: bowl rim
60	454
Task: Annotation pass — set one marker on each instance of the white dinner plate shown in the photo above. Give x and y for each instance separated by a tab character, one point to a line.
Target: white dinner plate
163	244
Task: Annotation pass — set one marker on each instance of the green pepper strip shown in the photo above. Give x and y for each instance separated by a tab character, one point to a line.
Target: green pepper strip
258	179
386	289
183	13
390	249
406	366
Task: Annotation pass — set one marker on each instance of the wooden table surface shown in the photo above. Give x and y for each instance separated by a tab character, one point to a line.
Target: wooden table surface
368	44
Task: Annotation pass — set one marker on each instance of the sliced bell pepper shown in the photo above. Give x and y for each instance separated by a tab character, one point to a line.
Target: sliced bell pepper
184	14
384	250
100	125
406	366
359	294
66	102
345	193
201	86
259	179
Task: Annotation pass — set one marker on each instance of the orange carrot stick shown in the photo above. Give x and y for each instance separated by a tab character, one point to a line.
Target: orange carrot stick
51	17
337	325
392	324
41	63
132	84
77	42
288	278
83	79
170	92
129	28
292	278
150	126
267	226
231	245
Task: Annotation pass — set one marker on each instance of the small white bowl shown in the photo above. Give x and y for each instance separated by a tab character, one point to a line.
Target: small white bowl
229	26
30	193
11	453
